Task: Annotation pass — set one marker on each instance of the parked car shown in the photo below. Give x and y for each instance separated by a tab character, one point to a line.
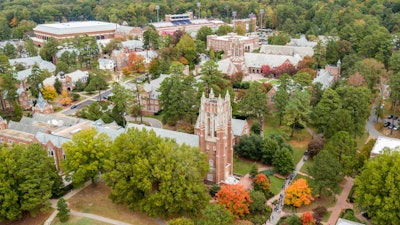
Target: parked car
74	106
386	124
390	117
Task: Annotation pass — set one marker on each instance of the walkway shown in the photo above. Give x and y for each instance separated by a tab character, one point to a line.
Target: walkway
153	122
341	202
99	218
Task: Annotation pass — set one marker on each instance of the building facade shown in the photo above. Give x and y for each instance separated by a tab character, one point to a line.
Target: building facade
216	137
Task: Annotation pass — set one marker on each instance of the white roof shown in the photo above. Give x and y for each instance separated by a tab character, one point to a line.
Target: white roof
301	42
75	27
30	61
179	137
324	77
385	142
342	221
287	50
78	75
132	44
227	67
154	85
257	59
231	36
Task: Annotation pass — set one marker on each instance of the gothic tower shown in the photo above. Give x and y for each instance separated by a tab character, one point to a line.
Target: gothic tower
237	57
215	136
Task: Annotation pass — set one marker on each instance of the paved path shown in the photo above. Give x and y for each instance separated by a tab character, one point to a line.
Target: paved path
153	122
99	218
341	202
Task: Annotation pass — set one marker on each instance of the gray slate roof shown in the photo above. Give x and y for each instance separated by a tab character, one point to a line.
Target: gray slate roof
58	141
324	77
30	61
154	85
179	137
132	44
238	126
287	50
257	60
25	127
67	121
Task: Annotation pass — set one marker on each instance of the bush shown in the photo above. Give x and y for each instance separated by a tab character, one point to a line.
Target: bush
254	170
214	190
268	172
320	212
245	85
75	97
255	128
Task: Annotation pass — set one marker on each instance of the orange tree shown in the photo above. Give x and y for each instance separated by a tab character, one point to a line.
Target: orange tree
235	199
307	219
298	193
261	183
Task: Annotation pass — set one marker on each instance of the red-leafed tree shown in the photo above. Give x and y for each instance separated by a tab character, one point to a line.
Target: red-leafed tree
312	72
298	193
356	80
136	63
261	183
286	67
306	62
235	199
265	69
307	219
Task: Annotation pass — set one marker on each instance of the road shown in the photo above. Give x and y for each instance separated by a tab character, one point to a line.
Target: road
153	122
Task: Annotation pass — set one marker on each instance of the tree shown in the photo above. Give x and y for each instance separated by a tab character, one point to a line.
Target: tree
356	101
254	102
202	34
85	156
178	97
120	102
63	210
394	63
261	183
326	171
315	146
341	121
279	39
49	92
372	70
322	112
181	221
356	80
186	48
211	78
224	30
394	84
235	199
269	149
111	46
27	179
258	205
136	63
57	85
250	147
298	193
215	214
307	218
10	51
49	49
377	188
281	99
283	161
303	80
35	79
96	81
65	100
30	48
240	29
364	154
151	169
88	50
344	148
150	38
297	110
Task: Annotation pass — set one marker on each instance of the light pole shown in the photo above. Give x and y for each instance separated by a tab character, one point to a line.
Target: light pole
199	5
234	13
157	8
261	19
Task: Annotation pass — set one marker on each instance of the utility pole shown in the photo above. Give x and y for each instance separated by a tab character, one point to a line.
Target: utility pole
234	13
262	11
157	8
199	5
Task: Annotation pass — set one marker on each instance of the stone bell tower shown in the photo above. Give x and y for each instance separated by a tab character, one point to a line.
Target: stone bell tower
215	136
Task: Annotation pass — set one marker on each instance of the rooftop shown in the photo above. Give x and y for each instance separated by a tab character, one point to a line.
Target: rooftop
342	221
385	142
19	135
75	27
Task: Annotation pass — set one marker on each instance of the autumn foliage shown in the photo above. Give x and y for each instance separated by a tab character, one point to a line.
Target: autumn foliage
49	92
298	193
66	100
136	63
307	219
261	182
235	199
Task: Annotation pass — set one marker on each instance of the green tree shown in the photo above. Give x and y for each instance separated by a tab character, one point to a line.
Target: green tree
303	80
341	121
356	101
121	101
270	146
254	102
202	34
258	204
30	48
394	63
111	46
279	39
27	178
151	38
63	210
57	85
186	48
281	99
35	79
88	50
181	221
364	154
297	110
322	113
372	70
240	29
178	97
150	169
326	171
283	161
85	156
344	148
62	67
224	30
377	189
96	82
320	54
211	78
250	147
10	51
49	49
215	214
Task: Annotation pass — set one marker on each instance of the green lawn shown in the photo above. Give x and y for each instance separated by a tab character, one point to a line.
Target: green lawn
308	163
74	220
326	216
276	184
298	154
241	166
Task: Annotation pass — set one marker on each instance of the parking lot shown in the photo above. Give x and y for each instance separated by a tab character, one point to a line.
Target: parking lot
391	122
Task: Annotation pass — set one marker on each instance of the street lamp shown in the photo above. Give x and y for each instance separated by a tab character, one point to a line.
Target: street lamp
234	13
157	8
198	5
262	11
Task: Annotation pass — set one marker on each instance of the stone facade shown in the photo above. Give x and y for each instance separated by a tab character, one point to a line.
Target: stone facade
216	136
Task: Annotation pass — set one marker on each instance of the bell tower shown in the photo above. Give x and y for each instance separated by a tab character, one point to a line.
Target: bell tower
215	136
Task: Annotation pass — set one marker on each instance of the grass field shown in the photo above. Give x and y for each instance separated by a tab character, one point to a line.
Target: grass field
241	166
276	184
95	200
74	220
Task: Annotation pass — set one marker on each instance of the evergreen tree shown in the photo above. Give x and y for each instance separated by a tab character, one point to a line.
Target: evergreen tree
63	210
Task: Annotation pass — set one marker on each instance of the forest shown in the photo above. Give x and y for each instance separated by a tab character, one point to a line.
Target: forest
313	17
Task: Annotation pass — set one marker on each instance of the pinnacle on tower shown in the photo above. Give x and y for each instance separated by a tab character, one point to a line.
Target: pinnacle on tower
212	94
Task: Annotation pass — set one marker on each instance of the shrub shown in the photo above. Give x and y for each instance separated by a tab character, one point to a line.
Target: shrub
75	97
319	212
214	189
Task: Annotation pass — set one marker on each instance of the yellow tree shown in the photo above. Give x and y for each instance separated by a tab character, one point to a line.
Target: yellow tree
49	92
66	100
298	193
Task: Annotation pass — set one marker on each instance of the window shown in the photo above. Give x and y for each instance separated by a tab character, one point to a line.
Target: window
210	177
211	163
10	142
50	152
